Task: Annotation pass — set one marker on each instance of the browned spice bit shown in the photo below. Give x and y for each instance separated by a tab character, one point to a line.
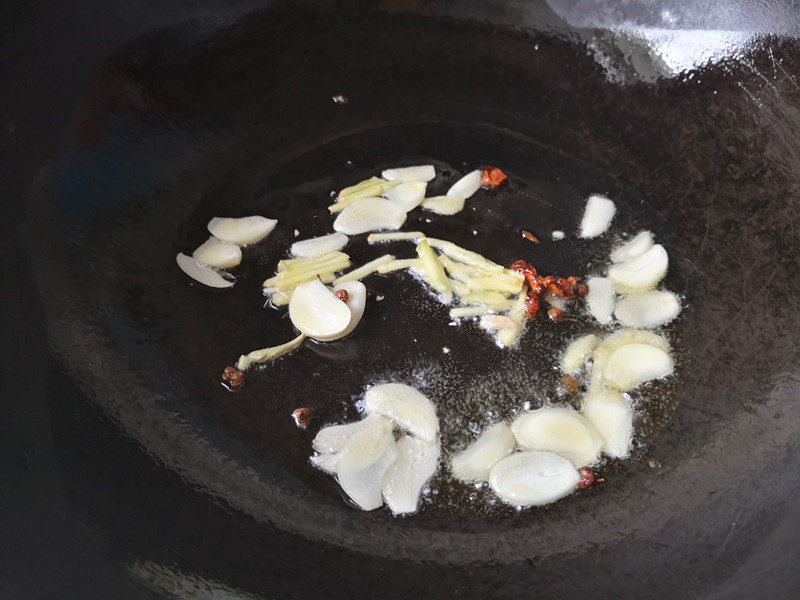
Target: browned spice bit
343	295
555	314
530	237
302	416
233	376
571	384
581	289
492	177
587	477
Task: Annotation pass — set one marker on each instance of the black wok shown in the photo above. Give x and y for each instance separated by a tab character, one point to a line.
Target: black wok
136	473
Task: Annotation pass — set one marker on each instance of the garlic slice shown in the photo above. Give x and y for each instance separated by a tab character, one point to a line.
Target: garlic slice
331	439
318	246
620	338
201	273
600	299
467	185
597	216
561	430
578	352
647	309
635	364
640	273
325	462
444	205
369	214
474	463
242	231
407	196
414	464
612	416
639	244
418	173
406	406
533	478
363	462
317	312
356	302
219	254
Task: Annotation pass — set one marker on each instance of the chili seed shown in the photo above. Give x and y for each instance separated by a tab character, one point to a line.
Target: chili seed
587	477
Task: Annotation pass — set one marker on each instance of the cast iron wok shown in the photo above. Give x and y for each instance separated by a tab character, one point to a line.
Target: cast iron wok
181	125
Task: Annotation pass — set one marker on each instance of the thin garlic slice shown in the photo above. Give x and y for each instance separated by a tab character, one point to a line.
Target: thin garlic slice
647	309
467	185
612	416
578	352
444	205
318	246
406	406
533	478
202	273
418	173
414	464
356	302
639	244
600	299
325	462
331	439
474	463
363	462
620	338
217	253
317	312
242	231
369	214
635	364
640	273
407	196
597	216
561	430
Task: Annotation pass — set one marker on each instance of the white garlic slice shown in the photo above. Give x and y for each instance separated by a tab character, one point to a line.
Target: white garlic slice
600	299
443	205
634	336
201	273
242	231
331	439
635	364
561	430
317	312
467	185
612	416
369	214
325	462
474	463
640	273
647	309
578	352
639	244
406	406
356	302
600	358
363	462
418	173
597	216
318	246
533	478
217	253
406	196
414	464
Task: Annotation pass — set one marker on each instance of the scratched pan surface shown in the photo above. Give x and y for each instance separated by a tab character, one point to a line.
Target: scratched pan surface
187	481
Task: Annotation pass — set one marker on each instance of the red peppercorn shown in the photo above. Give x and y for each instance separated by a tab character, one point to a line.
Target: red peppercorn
581	289
586	477
571	384
342	295
302	416
555	314
233	376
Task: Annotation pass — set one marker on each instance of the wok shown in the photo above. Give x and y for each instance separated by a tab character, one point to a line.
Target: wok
133	473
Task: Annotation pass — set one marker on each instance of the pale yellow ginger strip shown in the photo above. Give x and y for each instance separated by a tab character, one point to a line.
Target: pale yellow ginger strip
463	255
494	283
370	188
292	264
283	287
265	354
287	278
374	238
396	265
459	287
463	312
365	270
432	267
483	297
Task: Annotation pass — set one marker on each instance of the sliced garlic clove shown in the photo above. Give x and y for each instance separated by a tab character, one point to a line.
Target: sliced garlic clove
640	273
647	309
406	406
363	462
331	439
414	465
217	253
356	302
201	273
325	462
599	361
466	186
600	299
612	416
317	312
578	352
533	478
418	173
444	205
242	231
639	244
369	214
561	430
634	336
407	196
597	216
474	463
635	364
318	246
